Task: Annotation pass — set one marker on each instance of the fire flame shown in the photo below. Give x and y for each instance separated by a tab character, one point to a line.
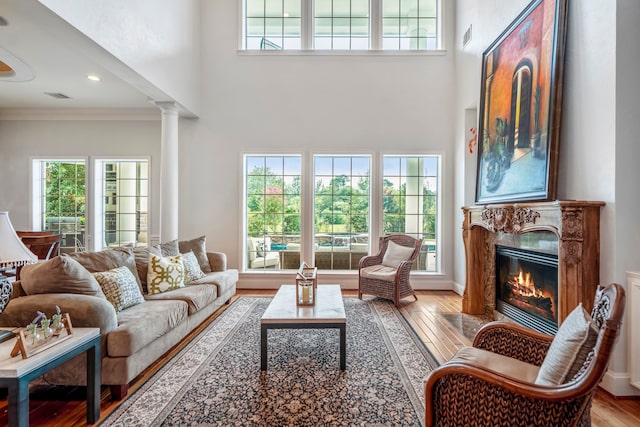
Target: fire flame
525	286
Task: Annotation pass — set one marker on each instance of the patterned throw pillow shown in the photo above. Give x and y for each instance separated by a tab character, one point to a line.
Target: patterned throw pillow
165	273
120	287
192	270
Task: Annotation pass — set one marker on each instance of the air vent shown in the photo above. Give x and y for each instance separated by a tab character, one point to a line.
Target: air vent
57	95
466	38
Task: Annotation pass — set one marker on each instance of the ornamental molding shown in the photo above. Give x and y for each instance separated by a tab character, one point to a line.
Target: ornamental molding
572	224
508	220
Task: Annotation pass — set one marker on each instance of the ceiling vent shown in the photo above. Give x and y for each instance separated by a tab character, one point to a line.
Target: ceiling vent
57	95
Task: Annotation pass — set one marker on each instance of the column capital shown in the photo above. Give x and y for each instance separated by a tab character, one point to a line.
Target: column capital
167	107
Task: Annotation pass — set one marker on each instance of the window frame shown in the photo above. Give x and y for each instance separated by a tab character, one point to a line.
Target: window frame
375	34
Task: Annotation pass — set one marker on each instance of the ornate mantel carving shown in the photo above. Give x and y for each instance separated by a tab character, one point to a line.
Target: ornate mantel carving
577	225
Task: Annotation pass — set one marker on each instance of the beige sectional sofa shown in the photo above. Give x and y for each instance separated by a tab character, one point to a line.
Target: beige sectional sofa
135	337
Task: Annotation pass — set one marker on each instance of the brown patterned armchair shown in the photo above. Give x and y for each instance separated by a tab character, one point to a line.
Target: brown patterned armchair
386	274
496	382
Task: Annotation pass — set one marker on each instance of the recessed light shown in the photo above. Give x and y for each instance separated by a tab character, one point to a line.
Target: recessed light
94	78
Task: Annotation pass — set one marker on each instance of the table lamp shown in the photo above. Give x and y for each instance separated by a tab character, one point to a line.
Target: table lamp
13	254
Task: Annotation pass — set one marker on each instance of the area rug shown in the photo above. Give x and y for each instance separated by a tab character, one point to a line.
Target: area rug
216	378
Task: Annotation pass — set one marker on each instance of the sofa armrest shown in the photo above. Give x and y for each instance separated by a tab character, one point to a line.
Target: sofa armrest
84	310
217	261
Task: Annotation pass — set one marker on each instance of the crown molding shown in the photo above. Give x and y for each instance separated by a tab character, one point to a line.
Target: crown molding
152	113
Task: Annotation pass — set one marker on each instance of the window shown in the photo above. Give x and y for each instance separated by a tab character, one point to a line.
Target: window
341	211
122	202
273	210
59	188
401	25
411	203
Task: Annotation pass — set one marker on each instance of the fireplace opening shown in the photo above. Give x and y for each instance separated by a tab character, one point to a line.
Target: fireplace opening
527	287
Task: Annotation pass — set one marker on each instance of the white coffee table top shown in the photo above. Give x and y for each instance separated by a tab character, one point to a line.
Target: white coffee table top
13	367
328	308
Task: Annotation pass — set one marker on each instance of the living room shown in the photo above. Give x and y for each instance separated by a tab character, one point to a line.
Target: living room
232	102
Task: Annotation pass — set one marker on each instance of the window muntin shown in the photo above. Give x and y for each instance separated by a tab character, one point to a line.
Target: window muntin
410	24
273	209
273	24
411	203
60	202
124	203
400	25
341	211
341	25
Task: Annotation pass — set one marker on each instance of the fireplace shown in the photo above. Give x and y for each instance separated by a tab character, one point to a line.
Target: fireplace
527	287
575	227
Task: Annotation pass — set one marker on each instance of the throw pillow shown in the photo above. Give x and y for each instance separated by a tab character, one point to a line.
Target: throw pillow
199	248
574	340
120	288
60	275
107	260
395	254
165	273
141	255
170	248
192	269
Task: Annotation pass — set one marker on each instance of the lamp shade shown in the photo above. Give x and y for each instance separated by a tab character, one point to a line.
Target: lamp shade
13	253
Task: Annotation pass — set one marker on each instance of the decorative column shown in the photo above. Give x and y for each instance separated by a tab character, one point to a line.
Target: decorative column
169	172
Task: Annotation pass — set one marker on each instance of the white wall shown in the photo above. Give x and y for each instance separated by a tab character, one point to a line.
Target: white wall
598	152
302	104
159	39
23	140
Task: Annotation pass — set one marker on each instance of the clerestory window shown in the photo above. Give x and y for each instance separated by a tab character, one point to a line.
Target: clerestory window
331	25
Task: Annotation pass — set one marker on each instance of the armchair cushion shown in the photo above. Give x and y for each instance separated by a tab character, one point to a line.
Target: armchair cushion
497	363
574	340
379	272
395	254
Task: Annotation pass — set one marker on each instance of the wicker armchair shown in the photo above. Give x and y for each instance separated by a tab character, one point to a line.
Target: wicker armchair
462	393
383	279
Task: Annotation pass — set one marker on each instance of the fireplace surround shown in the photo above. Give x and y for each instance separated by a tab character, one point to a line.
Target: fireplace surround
575	227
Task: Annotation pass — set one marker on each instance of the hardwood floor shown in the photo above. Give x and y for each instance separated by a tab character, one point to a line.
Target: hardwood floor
65	406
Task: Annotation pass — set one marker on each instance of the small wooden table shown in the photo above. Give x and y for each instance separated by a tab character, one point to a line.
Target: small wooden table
283	313
16	373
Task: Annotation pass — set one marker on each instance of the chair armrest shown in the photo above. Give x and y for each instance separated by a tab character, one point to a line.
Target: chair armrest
84	310
513	340
462	394
217	261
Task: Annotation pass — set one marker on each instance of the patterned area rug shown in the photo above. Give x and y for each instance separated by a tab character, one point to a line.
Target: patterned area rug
216	378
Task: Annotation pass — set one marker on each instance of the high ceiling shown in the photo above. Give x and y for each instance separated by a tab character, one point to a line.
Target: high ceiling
57	59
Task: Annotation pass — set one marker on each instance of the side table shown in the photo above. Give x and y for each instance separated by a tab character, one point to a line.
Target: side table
16	373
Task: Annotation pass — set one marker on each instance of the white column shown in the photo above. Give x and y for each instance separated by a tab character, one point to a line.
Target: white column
169	172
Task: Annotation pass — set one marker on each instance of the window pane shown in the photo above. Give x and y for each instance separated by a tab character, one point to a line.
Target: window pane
272	205
345	22
272	24
411	22
410	203
341	211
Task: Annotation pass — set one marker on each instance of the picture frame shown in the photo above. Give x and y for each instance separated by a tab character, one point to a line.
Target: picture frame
520	107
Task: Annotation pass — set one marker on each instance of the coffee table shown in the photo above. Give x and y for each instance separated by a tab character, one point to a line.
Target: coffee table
16	373
283	313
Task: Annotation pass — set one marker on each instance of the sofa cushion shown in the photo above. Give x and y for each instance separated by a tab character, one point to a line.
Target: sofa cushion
59	275
141	324
170	248
196	296
574	340
192	270
120	288
107	260
141	255
395	254
225	280
165	273
199	248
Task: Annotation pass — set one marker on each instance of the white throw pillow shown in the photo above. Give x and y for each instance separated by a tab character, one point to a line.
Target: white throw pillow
395	254
165	273
192	270
120	287
575	338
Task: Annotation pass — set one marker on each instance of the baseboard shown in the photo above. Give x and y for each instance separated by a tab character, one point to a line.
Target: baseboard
458	288
619	384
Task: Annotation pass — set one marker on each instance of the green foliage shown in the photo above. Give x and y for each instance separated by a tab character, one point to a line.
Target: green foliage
65	189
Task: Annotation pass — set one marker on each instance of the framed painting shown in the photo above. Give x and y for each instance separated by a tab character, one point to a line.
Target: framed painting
520	107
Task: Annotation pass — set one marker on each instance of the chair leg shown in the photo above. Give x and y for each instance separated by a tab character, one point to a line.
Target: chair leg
415	296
